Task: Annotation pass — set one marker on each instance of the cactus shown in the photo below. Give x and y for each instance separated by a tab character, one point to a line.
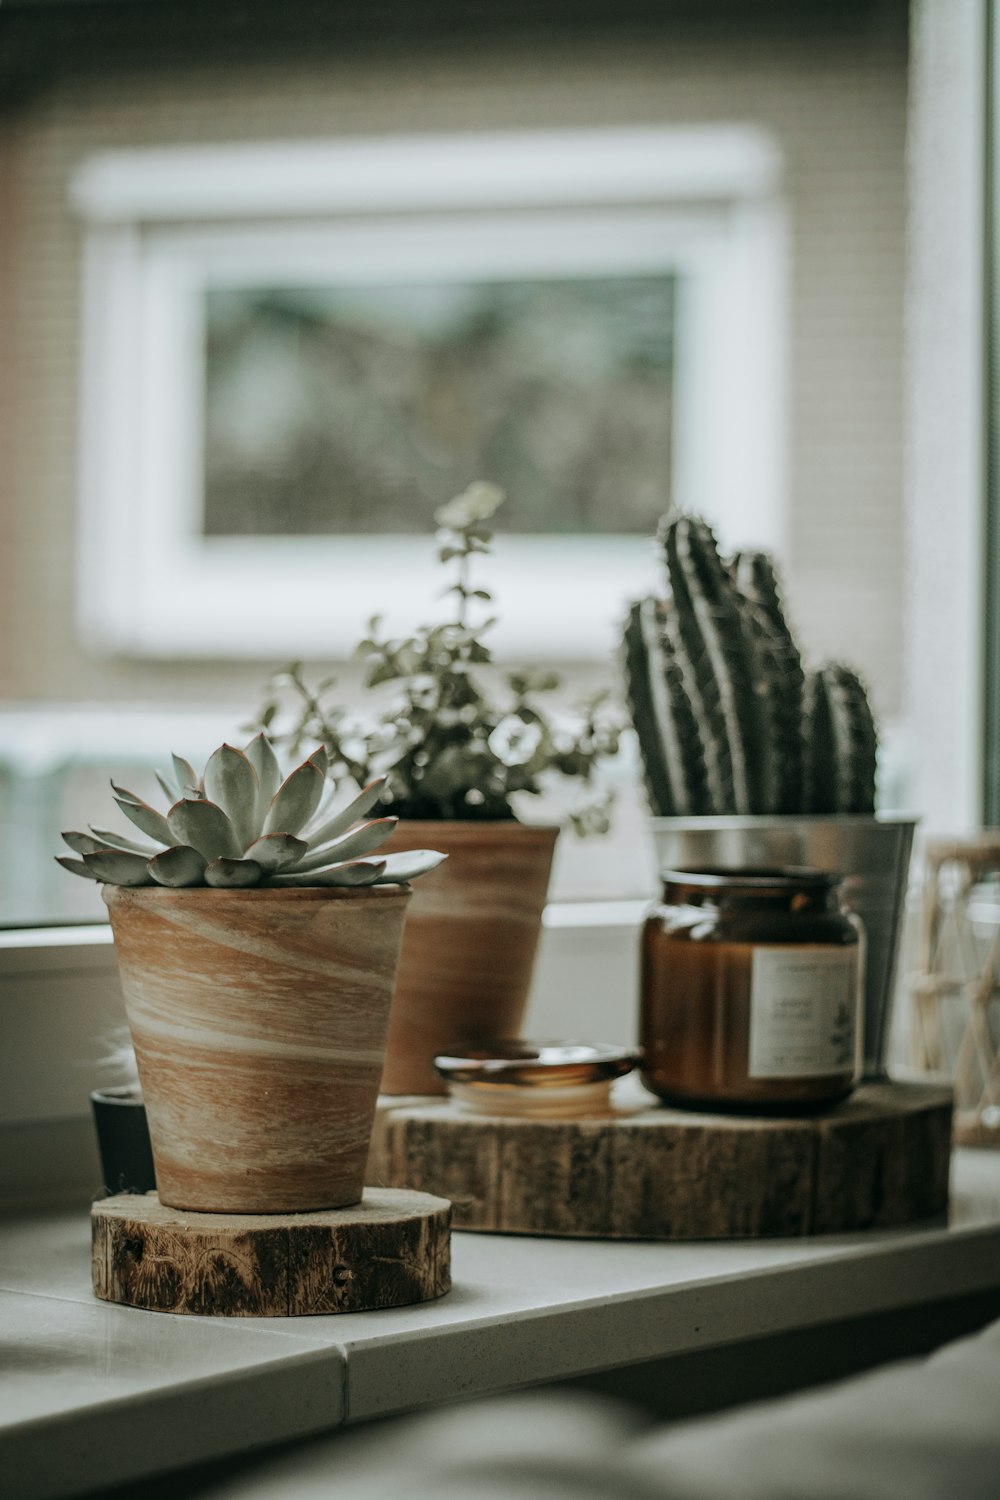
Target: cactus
840	743
725	718
241	825
754	576
720	664
669	743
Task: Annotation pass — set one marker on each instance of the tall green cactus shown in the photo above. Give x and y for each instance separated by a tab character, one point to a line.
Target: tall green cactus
669	743
725	717
756	579
717	664
840	743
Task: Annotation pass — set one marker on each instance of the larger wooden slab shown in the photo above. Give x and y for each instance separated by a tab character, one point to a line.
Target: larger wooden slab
879	1159
391	1249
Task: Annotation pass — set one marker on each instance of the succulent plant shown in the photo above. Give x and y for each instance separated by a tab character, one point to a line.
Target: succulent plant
452	744
240	824
727	720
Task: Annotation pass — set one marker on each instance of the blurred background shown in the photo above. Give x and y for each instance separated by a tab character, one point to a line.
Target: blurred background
243	361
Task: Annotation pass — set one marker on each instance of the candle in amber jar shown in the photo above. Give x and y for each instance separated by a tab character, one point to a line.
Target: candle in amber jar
750	991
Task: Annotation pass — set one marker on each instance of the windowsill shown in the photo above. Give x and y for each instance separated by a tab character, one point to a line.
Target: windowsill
95	1394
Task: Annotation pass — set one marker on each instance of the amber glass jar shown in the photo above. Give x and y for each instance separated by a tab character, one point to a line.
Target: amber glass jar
750	991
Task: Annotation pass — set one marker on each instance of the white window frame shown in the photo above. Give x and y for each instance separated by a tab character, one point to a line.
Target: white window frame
161	224
945	441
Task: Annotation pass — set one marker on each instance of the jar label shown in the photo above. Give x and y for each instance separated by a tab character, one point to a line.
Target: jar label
802	1011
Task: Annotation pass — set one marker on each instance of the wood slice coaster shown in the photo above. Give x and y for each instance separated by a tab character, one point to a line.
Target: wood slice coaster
649	1172
391	1249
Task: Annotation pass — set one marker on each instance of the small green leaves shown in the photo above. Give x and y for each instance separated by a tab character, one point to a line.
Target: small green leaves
295	801
432	713
532	680
205	827
383	671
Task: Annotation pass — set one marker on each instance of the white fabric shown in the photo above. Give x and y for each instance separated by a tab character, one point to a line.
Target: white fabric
927	1430
923	1430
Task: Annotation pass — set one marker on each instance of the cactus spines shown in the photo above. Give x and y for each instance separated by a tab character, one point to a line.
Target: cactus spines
669	743
241	825
725	718
755	577
723	666
840	743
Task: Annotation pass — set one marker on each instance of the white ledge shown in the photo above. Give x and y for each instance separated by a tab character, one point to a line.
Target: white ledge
92	1395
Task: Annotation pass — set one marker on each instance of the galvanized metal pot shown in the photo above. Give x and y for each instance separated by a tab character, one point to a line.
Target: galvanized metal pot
872	854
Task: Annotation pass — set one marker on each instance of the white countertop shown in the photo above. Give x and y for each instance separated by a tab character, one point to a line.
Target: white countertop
93	1394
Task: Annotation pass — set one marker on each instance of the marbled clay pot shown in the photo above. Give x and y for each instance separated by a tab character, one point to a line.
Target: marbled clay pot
259	1023
469	946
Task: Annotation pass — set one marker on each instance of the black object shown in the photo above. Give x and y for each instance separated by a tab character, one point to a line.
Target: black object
123	1140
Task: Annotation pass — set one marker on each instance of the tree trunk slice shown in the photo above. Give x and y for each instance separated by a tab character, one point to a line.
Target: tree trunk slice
653	1173
391	1249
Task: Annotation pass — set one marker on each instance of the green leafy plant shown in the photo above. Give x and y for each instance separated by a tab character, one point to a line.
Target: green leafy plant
728	722
240	824
450	745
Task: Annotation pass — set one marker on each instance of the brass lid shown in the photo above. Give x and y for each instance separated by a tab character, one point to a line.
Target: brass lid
530	1064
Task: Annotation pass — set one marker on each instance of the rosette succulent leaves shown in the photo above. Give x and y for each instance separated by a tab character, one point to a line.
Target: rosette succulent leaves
240	824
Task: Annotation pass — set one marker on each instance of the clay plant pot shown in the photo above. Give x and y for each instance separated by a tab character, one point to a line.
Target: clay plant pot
469	946
259	1022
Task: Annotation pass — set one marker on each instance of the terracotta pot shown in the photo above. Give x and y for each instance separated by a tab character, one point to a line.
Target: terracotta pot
259	1022
469	945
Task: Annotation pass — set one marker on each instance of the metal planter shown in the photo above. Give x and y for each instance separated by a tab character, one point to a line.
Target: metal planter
873	855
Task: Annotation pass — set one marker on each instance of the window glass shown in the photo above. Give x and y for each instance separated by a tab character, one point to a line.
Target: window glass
354	409
263	308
